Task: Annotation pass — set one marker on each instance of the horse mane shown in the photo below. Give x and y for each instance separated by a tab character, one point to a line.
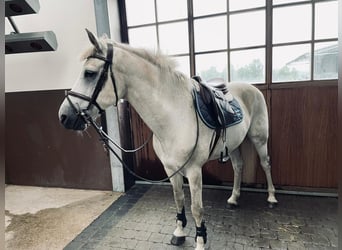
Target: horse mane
157	58
154	57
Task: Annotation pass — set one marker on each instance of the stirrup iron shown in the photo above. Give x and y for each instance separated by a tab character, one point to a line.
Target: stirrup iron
224	158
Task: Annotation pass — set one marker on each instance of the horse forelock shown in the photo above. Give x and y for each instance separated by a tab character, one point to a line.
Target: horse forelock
87	53
92	51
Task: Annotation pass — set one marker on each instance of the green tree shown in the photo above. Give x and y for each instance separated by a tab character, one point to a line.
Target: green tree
252	72
212	72
285	74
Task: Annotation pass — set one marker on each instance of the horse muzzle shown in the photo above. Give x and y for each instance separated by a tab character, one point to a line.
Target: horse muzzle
70	118
74	122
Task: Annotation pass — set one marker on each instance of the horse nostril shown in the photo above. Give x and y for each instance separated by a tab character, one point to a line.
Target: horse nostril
63	118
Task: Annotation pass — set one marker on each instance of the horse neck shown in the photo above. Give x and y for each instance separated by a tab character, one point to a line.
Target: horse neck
157	94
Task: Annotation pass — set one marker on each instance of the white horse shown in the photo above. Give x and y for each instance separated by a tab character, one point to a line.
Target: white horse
163	97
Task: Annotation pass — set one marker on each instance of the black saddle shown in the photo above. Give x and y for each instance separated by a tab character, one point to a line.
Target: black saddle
216	108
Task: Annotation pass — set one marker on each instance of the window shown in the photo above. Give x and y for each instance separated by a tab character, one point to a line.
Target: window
171	10
245	4
247	43
137	17
171	44
162	24
291	63
305	45
326	20
254	41
247	29
208	38
277	2
248	66
326	60
212	65
143	37
294	29
202	7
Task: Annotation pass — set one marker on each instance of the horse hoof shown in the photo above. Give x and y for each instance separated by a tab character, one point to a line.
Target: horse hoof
232	206
272	204
177	241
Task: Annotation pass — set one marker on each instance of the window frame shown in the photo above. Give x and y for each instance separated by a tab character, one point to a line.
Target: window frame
268	46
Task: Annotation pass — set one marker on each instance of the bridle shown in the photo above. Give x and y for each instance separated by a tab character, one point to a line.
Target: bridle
99	85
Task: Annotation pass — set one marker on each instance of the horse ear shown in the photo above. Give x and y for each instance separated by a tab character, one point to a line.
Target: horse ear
94	40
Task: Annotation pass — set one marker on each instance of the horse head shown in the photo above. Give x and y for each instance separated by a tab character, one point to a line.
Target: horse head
94	90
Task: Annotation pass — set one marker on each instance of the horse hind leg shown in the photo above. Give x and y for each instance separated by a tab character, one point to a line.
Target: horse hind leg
261	147
237	163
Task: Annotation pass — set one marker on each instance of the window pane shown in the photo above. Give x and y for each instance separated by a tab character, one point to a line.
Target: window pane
140	12
247	29
292	24
326	61
205	7
247	66
210	66
173	38
143	37
276	2
210	33
326	20
291	63
245	4
183	64
171	9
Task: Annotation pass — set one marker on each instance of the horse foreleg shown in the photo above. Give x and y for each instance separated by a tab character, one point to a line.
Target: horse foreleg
179	235
195	183
237	167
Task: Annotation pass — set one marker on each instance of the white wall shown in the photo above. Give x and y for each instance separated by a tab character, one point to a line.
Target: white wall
51	70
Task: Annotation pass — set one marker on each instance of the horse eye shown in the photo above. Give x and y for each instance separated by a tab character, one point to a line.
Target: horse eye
89	74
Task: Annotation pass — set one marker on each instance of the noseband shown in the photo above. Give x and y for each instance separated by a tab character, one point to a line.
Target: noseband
100	83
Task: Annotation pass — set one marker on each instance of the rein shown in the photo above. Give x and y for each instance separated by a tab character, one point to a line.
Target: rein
105	138
103	135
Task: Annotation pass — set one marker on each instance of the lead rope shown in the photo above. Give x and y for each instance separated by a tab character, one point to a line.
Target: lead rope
104	138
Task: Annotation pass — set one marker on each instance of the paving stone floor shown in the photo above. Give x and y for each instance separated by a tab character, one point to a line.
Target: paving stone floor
144	218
